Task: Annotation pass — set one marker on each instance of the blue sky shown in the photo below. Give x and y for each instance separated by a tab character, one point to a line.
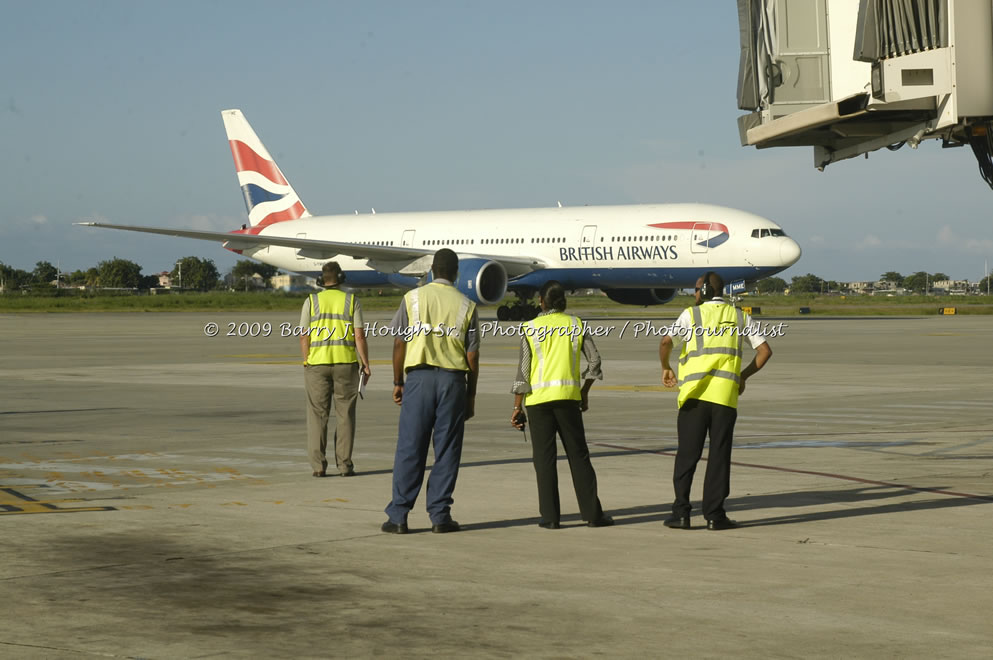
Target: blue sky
111	111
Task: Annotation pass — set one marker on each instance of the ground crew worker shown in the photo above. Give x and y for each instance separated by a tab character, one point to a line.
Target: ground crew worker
548	382
435	367
710	380
334	353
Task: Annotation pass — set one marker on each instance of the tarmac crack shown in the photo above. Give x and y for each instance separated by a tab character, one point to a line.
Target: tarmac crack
70	650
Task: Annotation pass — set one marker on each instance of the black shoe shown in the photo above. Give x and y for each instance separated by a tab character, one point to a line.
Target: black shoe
677	522
445	527
348	473
721	523
549	525
602	521
393	528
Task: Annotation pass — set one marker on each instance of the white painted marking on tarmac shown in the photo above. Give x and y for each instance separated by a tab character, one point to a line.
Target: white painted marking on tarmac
939	406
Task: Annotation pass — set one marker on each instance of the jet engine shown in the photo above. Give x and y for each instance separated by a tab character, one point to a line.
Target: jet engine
481	280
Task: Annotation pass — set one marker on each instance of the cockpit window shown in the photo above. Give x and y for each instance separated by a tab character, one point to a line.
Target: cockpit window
762	233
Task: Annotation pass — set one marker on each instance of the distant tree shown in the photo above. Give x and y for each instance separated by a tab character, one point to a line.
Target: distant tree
771	285
892	276
44	273
266	271
75	278
92	276
148	282
119	273
918	282
939	276
197	273
806	284
831	285
984	284
244	270
13	278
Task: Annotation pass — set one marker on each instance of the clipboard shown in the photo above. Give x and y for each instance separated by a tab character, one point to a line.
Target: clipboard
363	379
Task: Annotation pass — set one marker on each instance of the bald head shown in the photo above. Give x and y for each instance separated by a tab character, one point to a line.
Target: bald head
445	264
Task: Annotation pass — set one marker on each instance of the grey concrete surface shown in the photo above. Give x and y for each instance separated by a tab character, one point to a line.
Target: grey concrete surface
156	502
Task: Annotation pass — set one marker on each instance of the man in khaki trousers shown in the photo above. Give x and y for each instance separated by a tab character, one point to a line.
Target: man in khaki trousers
335	357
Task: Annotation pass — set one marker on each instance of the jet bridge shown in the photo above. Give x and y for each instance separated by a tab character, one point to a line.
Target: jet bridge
852	76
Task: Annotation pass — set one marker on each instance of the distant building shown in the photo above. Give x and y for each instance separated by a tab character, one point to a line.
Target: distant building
861	288
954	287
165	281
292	282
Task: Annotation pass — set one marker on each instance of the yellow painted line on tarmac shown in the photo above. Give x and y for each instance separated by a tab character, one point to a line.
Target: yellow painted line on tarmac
14	502
638	388
296	362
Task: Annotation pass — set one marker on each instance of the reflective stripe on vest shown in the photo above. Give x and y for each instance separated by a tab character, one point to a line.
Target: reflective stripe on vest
439	319
332	337
556	341
710	362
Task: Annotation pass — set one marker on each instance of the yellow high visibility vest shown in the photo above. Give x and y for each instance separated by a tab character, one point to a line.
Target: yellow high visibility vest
556	341
439	319
710	362
332	337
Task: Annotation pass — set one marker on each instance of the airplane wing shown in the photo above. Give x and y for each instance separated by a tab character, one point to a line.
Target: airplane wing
317	249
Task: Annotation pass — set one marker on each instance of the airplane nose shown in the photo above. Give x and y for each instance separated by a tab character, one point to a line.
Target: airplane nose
789	252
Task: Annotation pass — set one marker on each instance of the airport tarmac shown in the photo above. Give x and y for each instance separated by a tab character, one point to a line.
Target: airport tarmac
156	502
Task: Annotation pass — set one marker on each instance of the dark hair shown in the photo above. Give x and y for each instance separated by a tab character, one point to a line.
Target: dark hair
332	271
554	295
712	285
445	264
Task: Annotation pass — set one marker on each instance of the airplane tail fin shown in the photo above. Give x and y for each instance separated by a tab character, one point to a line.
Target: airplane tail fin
268	195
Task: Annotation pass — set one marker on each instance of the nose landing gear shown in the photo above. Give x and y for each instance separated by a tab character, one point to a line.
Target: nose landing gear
519	311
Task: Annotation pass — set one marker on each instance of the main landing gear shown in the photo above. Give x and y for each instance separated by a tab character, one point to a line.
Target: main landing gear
520	310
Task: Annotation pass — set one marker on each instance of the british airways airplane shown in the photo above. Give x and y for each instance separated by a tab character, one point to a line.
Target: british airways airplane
637	255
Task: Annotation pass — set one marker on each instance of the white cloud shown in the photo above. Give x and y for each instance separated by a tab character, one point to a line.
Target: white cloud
947	236
39	219
868	242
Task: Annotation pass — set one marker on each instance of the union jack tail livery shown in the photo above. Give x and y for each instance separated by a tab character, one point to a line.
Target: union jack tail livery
268	195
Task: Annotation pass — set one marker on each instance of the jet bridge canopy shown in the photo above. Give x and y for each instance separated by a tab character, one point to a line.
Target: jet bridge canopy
852	76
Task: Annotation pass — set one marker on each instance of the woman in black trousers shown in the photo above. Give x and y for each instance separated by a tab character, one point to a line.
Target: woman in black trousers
548	382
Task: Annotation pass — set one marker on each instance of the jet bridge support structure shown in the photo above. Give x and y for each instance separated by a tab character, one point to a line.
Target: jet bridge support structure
852	76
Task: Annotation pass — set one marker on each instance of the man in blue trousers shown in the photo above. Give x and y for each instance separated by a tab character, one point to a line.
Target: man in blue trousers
435	368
